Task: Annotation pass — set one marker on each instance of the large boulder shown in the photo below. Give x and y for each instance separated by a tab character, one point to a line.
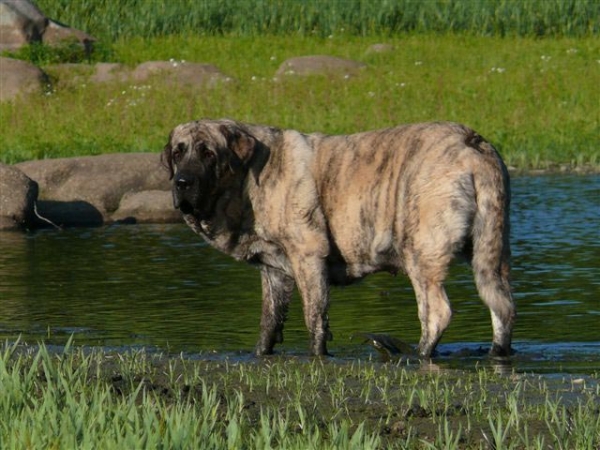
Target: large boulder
319	65
18	194
19	77
22	23
89	190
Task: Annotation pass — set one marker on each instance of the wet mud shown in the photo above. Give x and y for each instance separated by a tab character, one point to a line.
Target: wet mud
440	404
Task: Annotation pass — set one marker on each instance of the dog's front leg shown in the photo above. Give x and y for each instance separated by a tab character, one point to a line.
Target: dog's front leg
277	288
311	277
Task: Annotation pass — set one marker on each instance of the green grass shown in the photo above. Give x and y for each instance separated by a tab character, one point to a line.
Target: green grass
535	99
108	19
92	399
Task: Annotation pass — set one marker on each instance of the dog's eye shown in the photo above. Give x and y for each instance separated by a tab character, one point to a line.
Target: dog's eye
200	148
178	151
205	153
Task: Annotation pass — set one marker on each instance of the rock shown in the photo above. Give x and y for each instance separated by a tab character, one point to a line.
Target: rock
147	207
88	190
319	65
178	73
19	77
57	33
18	194
173	74
68	75
380	48
22	23
109	72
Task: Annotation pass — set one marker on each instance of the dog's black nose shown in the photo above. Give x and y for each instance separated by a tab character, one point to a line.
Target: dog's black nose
183	182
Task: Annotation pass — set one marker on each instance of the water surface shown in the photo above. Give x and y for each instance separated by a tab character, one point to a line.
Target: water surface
160	287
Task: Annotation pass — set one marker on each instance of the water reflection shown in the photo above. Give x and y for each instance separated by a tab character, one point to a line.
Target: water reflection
160	286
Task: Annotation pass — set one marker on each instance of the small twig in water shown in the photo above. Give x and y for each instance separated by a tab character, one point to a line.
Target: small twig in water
43	218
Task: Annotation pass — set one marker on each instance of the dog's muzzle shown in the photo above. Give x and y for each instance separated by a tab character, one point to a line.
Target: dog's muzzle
183	193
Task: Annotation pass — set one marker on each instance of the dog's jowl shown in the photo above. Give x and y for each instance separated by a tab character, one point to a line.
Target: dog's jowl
314	210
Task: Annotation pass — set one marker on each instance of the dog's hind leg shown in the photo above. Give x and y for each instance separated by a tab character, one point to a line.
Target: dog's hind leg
491	258
494	288
277	288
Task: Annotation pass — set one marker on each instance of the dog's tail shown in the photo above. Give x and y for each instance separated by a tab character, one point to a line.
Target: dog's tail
491	241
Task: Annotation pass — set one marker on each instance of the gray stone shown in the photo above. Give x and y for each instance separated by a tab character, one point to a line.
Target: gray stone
105	72
57	33
147	207
19	77
179	73
380	48
89	189
171	73
22	23
18	194
319	65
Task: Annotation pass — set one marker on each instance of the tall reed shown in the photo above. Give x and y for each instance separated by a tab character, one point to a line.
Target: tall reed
128	18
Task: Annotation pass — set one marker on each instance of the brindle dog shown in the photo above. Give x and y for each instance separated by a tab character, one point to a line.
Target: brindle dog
314	210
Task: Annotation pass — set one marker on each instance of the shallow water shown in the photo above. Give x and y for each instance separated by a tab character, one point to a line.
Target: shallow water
160	287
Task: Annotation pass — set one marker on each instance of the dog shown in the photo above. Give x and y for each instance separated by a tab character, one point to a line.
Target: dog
315	210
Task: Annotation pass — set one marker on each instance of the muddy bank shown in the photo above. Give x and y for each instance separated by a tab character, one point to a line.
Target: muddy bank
438	406
389	405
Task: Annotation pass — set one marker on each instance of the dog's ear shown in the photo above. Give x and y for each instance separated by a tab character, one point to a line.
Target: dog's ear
240	142
166	157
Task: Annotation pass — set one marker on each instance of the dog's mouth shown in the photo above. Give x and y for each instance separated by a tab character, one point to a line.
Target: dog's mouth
190	209
185	207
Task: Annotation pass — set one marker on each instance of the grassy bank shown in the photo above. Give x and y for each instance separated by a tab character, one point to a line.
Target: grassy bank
92	399
536	100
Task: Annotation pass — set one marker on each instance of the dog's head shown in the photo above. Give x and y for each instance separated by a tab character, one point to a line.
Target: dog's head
204	159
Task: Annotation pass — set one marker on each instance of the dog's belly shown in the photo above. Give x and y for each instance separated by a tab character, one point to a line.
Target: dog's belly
345	267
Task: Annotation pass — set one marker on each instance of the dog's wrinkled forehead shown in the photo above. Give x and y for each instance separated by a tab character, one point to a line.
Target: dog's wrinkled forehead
192	133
